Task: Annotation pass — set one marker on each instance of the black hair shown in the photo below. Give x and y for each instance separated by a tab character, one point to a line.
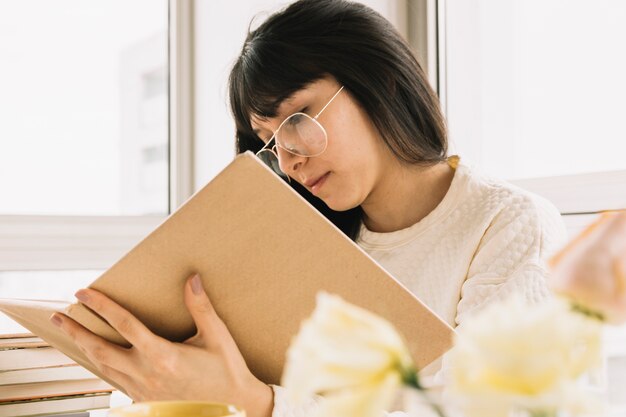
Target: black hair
311	39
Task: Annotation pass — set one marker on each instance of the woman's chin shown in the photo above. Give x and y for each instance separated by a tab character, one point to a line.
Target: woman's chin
339	205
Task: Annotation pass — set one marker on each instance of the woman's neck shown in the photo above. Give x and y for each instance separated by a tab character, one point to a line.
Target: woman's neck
405	195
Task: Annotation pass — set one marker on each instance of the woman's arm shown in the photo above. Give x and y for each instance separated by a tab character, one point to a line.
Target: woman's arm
512	255
208	366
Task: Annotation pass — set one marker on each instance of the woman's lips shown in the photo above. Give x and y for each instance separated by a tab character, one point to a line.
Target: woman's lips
315	186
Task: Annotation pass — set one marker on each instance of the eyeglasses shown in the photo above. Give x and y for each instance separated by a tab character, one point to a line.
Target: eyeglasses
299	135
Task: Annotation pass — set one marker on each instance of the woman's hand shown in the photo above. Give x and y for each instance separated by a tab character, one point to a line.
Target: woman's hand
208	366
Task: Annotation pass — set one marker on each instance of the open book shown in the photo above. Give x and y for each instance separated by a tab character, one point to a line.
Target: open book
263	253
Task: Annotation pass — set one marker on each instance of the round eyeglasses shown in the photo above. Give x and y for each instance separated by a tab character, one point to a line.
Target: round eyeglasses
299	135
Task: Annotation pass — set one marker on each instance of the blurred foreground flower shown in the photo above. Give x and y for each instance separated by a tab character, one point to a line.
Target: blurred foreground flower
515	356
353	358
591	270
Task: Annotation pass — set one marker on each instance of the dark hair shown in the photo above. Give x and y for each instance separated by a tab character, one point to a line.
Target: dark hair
311	39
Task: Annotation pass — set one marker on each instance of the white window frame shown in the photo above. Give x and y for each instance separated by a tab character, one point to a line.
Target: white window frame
581	197
422	22
30	243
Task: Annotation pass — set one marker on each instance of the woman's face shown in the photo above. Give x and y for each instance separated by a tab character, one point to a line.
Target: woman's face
348	171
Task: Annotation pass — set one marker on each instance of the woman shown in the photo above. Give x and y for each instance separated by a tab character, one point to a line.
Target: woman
331	97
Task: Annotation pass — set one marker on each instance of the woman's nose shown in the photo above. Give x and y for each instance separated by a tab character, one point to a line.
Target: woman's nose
289	163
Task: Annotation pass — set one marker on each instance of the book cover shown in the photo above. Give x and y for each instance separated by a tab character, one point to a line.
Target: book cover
54	405
40	390
28	358
24	340
263	254
52	373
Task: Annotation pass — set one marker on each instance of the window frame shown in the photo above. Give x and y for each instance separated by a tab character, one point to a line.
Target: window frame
422	23
36	242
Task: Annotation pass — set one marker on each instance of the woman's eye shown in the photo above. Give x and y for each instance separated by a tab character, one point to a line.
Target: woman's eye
295	119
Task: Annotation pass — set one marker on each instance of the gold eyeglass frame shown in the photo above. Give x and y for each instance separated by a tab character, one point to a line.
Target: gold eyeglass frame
268	148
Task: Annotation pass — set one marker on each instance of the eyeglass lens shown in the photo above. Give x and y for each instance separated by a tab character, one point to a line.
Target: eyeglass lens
270	159
301	135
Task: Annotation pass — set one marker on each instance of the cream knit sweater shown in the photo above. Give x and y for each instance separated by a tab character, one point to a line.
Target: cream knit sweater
485	240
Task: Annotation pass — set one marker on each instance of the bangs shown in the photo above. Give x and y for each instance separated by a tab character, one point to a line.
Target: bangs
261	80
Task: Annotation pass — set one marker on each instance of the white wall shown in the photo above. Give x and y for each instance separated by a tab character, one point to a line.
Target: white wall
220	29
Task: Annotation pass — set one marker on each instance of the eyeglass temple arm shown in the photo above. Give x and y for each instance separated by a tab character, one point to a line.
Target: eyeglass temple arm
329	101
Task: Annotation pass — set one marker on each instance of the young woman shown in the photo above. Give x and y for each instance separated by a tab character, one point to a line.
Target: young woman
331	97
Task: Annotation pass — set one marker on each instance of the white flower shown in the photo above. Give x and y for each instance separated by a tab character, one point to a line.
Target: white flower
352	357
516	354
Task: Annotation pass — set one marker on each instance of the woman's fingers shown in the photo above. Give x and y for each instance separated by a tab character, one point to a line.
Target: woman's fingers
98	350
208	324
133	330
209	365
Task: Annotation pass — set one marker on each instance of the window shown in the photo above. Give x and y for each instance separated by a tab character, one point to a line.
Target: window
534	93
84	104
95	138
534	90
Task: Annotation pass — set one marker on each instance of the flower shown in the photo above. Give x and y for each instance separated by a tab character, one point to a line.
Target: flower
352	357
591	270
512	354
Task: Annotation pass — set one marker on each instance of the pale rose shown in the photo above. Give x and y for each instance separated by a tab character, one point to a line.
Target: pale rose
352	357
591	270
513	353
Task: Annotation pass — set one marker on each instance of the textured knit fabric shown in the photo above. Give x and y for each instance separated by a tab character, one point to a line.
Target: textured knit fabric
485	240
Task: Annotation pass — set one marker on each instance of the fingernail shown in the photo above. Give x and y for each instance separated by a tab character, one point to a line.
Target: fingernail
82	296
56	320
196	284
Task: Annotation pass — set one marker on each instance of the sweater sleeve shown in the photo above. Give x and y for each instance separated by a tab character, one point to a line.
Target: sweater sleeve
511	256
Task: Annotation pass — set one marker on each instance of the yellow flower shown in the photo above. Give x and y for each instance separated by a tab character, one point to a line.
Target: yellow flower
352	357
513	352
591	270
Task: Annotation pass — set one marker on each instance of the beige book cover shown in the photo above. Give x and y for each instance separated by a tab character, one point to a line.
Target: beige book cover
28	358
50	406
18	341
263	253
44	374
51	389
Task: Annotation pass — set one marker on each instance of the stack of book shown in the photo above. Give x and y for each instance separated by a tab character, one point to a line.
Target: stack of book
37	380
